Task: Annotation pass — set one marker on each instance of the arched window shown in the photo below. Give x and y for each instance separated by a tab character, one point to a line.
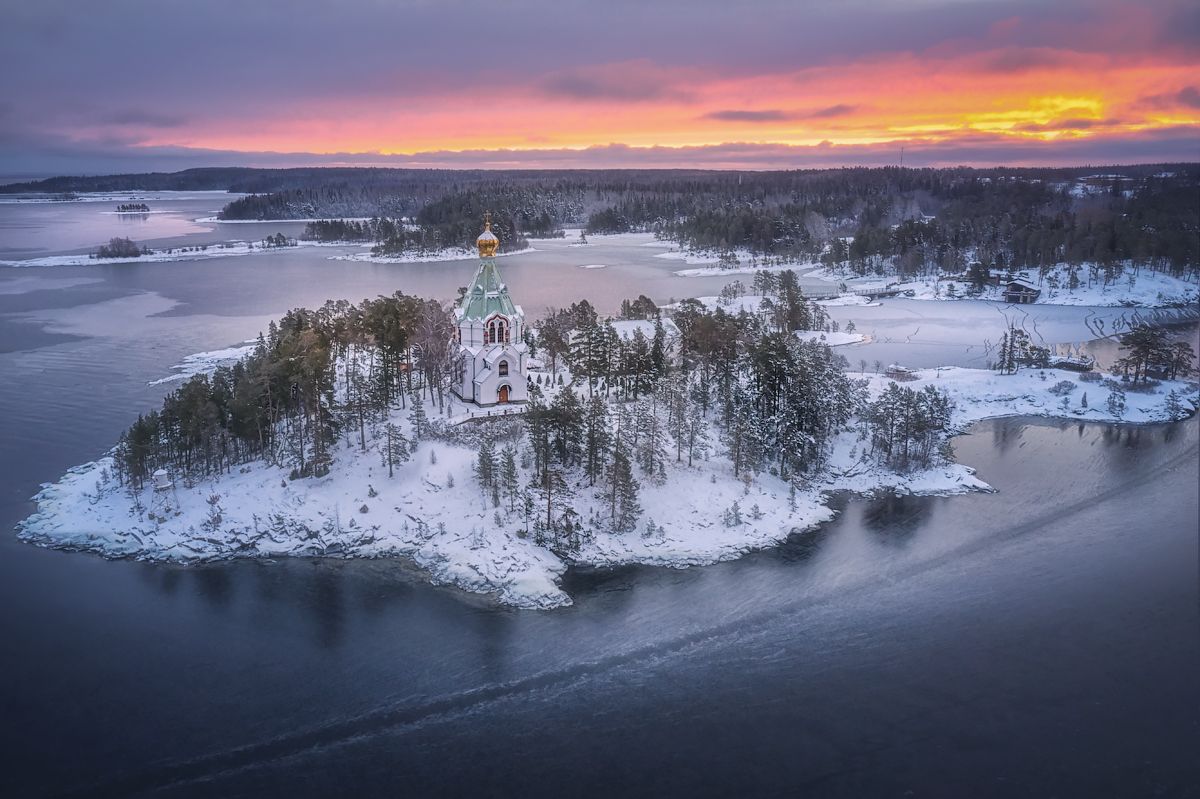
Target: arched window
496	331
502	369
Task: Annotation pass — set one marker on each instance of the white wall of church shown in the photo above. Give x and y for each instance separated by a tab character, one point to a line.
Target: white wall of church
487	368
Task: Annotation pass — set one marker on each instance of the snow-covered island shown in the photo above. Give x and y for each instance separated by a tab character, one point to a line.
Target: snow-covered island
494	457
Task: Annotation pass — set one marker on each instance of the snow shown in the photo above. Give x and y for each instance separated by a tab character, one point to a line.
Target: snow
158	256
1147	289
120	196
454	533
750	303
451	254
593	266
213	219
983	394
689	257
848	299
206	362
625	328
742	268
744	262
837	339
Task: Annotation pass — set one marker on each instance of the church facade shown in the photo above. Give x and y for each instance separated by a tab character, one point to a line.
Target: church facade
491	353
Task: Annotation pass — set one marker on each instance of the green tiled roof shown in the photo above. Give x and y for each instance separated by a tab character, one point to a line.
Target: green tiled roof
487	293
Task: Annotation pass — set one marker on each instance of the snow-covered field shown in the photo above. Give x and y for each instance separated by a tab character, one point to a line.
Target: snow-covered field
433	512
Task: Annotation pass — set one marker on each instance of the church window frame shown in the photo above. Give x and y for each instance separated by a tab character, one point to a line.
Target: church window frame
496	330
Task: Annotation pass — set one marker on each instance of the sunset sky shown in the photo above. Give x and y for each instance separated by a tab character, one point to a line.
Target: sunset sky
138	86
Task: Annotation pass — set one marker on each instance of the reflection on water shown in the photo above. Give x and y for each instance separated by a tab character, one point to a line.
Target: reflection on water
894	520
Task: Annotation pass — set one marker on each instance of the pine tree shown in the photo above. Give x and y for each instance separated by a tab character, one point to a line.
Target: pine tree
596	438
395	449
417	416
566	419
658	350
485	465
651	439
623	497
1116	401
509	479
1174	405
676	401
697	434
550	493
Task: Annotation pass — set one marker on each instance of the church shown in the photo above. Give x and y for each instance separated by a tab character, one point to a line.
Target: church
492	356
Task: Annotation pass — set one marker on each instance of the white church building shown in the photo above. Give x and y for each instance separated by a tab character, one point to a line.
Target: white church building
492	356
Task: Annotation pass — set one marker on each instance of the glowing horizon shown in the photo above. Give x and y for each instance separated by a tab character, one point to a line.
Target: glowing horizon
962	82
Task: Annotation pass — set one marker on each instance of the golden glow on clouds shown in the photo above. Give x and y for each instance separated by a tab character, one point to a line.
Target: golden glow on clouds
873	101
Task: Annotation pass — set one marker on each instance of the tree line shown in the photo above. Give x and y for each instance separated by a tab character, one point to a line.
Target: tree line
312	376
634	409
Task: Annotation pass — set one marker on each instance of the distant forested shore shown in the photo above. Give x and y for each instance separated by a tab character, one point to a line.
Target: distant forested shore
863	221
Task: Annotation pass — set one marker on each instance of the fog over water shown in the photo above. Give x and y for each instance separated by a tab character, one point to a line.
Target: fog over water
1040	640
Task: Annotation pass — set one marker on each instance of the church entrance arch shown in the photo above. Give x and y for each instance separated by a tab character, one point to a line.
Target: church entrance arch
502	394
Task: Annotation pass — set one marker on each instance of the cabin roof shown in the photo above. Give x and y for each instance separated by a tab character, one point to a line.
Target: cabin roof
1023	285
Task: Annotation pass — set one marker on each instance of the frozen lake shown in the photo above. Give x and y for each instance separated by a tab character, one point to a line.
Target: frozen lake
1040	640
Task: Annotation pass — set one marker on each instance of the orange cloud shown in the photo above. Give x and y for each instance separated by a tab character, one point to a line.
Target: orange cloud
943	95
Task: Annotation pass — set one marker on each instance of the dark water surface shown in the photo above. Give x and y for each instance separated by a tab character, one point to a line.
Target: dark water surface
1040	641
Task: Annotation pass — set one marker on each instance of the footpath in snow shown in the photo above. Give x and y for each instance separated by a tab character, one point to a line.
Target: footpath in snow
433	512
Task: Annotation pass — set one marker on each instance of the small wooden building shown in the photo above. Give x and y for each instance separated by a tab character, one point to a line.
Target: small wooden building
1021	291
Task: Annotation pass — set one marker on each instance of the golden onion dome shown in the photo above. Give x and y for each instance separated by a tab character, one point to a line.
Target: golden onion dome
487	241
